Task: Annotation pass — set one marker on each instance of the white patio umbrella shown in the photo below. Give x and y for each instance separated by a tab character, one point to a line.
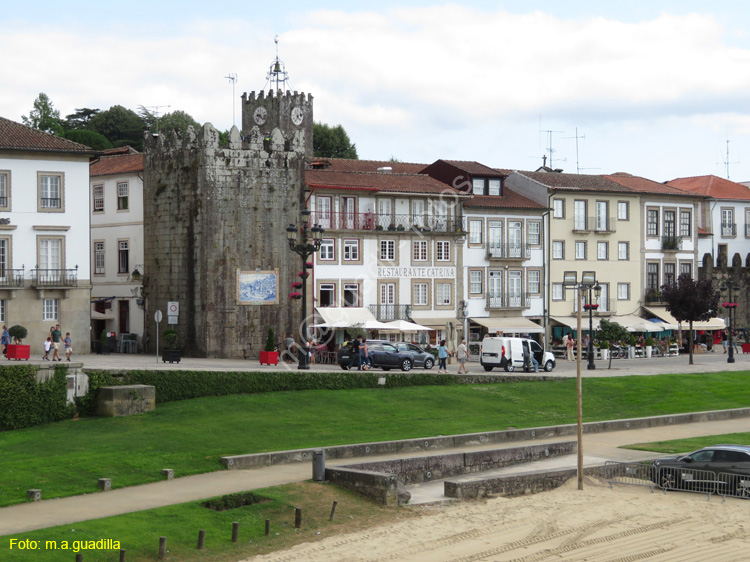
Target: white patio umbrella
405	326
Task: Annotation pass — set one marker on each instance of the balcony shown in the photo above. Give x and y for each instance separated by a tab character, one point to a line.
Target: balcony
387	222
652	296
51	203
390	312
671	243
54	278
601	225
507	301
728	230
508	251
11	278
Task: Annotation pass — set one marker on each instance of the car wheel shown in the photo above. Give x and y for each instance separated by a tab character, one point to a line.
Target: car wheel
510	367
428	363
548	366
406	365
487	367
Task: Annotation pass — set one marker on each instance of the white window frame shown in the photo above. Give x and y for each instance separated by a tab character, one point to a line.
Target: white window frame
351	289
475	282
686	227
558	208
623	291
580	214
602	250
443	294
558	249
475	231
327	250
495	187
535	233
5	188
419	250
535	281
3	308
351	250
51	187
100	257
50	309
327	288
420	294
580	249
98	194
623	210
477	186
123	191
623	251
387	250
123	257
442	250
558	292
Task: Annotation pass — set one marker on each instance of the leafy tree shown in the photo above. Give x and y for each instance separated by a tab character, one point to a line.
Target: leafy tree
89	138
177	120
690	301
612	332
44	116
332	142
120	126
80	119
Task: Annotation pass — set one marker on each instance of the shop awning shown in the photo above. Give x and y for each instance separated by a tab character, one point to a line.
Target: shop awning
434	322
348	317
571	321
512	324
663	313
108	315
633	323
405	326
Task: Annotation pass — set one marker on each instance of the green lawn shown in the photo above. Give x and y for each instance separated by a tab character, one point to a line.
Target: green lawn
66	458
677	446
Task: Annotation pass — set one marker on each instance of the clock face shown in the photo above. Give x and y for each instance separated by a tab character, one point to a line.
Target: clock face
260	115
297	116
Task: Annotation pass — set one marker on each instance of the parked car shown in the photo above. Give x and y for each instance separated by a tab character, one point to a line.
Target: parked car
507	353
701	469
386	355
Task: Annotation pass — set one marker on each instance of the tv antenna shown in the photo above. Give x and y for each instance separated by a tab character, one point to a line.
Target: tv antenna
550	150
154	110
726	160
277	74
232	77
578	168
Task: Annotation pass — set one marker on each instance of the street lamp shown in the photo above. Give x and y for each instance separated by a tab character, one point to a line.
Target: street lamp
588	281
730	306
301	244
591	307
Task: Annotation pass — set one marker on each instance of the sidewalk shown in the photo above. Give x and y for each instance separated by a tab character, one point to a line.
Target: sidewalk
47	513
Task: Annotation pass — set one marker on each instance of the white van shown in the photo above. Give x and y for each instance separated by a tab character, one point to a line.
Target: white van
507	353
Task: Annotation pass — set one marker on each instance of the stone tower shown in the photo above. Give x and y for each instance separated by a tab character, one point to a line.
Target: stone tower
211	211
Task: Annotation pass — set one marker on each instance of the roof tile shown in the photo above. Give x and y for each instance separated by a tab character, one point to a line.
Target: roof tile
14	136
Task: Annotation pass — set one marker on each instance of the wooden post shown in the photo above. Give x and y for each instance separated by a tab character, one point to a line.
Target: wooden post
333	510
162	548
79	557
201	539
297	517
268	527
235	531
122	555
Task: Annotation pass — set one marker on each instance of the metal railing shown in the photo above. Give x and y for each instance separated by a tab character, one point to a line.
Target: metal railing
747	231
11	277
506	300
54	277
728	229
387	222
671	242
594	224
51	203
389	312
508	251
629	474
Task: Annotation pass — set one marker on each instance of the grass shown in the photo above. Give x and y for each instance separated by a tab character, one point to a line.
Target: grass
67	458
677	446
139	532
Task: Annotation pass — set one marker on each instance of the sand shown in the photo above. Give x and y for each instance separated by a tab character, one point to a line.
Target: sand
623	524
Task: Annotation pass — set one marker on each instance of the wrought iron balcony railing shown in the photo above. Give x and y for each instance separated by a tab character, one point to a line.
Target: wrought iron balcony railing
671	242
728	229
390	312
507	300
508	251
594	224
387	222
54	277
11	277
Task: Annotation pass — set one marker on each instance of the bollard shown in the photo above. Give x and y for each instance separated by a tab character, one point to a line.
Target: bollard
79	557
268	527
333	510
319	465
168	473
162	548
34	494
201	539
122	555
105	484
235	531
297	517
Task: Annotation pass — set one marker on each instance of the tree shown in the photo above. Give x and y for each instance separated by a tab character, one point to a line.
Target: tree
89	138
612	332
177	120
332	142
690	301
80	119
120	126
44	116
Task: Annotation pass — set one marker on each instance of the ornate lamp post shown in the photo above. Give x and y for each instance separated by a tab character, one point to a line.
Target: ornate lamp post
302	244
730	306
591	307
570	281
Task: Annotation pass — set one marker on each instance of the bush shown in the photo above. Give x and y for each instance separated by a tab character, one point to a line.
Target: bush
649	341
18	333
270	345
171	338
24	402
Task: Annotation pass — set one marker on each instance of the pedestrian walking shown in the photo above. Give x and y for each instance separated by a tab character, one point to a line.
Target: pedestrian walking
5	340
47	347
443	354
462	354
68	346
569	344
56	340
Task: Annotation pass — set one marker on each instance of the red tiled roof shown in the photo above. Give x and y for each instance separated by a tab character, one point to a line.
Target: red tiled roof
348	165
474	168
703	231
644	185
117	165
393	183
14	136
575	182
509	200
712	186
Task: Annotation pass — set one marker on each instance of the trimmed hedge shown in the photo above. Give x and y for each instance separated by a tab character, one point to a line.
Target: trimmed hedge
24	402
184	385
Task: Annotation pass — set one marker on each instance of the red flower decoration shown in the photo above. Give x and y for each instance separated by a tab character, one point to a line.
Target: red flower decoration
295	296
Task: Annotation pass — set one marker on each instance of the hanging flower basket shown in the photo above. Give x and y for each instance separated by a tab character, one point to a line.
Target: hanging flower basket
297	285
729	304
309	265
295	296
303	274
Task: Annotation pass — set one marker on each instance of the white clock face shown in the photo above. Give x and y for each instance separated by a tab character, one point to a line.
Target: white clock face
297	116
260	115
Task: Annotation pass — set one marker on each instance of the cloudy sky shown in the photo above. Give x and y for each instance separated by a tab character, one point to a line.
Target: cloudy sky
654	88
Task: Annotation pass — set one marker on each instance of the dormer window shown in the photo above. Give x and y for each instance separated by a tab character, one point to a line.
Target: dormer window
477	186
495	187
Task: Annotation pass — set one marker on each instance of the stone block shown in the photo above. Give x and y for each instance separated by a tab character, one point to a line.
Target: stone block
168	473
105	484
127	400
34	494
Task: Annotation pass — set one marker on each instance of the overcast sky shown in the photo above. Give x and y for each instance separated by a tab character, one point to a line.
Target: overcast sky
654	88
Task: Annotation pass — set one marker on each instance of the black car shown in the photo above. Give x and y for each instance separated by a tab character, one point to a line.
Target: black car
386	355
721	466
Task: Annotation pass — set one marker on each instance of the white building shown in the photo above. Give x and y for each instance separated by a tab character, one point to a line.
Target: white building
44	234
117	242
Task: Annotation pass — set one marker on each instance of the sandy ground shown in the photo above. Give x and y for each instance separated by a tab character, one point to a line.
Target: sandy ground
623	524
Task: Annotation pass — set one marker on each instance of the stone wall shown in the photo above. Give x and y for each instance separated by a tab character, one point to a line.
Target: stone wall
210	211
126	400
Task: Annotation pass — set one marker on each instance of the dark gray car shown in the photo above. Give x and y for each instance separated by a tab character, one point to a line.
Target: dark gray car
390	355
702	468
